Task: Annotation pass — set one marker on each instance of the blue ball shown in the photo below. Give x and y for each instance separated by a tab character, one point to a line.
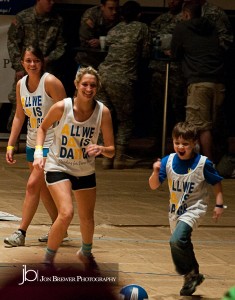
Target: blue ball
133	292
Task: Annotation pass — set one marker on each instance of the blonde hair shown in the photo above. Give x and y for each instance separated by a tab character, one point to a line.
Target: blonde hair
88	70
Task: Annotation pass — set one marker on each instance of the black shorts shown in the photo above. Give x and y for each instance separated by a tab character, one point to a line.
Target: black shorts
78	183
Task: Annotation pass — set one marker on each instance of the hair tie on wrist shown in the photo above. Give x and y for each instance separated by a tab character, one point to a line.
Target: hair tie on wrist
38	147
219	205
10	147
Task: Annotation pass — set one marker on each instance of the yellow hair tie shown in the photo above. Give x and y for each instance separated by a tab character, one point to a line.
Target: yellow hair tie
38	147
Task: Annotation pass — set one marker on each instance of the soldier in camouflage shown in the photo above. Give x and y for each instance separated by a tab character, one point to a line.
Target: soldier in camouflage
37	26
128	44
95	22
163	26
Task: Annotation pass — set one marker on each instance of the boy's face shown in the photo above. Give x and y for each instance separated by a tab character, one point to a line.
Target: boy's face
184	148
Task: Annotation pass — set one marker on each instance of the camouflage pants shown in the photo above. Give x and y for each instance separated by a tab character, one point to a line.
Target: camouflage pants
118	96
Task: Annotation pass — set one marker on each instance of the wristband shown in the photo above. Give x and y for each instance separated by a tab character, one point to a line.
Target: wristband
38	153
38	147
10	147
219	205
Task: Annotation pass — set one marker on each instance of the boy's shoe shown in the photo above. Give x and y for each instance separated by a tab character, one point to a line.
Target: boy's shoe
191	281
44	238
16	239
88	261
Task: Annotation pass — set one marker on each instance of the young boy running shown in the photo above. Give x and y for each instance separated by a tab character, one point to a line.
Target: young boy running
188	174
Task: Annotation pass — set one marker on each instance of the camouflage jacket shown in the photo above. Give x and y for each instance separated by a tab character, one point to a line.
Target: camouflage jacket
93	25
128	44
28	28
164	24
221	21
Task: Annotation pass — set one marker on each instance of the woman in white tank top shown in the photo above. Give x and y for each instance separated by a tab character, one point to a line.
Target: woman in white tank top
35	94
71	160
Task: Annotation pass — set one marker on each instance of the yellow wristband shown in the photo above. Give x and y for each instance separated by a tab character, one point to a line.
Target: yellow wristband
38	147
10	147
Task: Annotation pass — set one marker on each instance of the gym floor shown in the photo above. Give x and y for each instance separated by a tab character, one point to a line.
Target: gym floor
131	233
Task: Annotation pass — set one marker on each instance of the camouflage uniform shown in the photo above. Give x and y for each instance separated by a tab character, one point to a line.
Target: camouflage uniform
28	28
128	44
99	28
217	16
165	24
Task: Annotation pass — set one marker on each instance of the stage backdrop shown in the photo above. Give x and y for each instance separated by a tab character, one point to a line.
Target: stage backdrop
8	8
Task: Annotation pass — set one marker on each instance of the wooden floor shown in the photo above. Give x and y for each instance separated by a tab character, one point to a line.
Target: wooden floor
131	234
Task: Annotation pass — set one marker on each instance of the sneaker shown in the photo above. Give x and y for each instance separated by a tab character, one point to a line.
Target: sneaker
88	261
44	238
16	239
191	281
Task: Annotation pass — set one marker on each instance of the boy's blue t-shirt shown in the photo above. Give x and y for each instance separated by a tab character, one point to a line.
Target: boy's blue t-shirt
181	166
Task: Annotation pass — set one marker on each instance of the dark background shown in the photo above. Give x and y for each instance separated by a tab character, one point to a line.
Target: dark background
71	14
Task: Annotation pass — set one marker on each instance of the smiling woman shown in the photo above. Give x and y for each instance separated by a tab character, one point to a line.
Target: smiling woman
71	160
35	93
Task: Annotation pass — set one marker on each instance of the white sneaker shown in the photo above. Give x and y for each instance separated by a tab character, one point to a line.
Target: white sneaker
16	239
44	238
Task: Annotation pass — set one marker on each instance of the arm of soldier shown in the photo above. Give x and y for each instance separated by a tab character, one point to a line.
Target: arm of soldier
55	88
87	28
54	114
17	125
146	43
59	43
225	31
14	38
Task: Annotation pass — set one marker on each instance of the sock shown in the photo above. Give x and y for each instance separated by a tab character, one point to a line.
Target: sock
86	249
23	232
49	256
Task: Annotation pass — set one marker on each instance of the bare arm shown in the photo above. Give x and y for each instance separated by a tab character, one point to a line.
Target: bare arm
17	124
154	182
54	114
54	88
108	149
217	188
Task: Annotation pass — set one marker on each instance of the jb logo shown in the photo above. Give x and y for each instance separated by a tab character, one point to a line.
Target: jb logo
28	275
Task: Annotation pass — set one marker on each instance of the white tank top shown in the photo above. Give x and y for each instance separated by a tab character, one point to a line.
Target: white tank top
68	150
188	194
36	106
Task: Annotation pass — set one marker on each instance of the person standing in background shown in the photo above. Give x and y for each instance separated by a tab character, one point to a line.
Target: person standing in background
128	45
39	26
195	41
95	22
220	20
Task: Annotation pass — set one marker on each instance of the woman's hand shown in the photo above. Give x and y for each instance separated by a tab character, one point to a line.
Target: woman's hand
10	156
39	163
94	150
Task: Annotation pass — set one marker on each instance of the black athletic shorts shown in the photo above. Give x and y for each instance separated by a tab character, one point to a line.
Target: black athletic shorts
78	183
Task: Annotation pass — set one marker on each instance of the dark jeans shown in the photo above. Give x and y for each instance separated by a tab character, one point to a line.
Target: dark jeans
182	249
